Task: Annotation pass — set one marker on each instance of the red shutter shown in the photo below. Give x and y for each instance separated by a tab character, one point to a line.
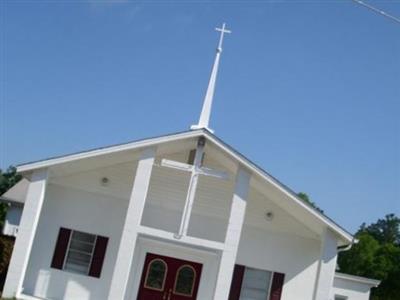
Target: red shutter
276	286
236	284
98	256
61	248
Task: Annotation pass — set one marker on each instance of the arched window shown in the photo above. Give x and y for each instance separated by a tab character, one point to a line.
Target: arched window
156	275
184	281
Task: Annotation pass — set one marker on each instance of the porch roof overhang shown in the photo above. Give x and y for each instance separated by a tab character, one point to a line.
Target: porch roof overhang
343	236
17	194
367	281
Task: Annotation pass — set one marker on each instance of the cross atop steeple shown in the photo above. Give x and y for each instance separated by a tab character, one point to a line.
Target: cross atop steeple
208	99
221	37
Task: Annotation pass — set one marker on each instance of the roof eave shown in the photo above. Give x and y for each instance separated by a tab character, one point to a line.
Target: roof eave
363	280
347	237
148	142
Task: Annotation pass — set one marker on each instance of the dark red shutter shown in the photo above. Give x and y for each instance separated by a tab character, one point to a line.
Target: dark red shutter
277	286
61	248
236	284
98	256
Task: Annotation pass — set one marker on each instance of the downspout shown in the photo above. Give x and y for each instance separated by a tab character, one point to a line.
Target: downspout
347	247
339	249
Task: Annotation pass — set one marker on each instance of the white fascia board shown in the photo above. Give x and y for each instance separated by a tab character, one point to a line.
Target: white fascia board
363	280
284	189
106	150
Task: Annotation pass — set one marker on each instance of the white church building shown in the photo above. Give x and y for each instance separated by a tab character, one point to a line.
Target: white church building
176	217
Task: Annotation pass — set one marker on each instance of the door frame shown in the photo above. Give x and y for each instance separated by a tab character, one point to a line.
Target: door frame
209	260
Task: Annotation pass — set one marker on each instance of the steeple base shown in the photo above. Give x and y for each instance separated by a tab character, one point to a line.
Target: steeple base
195	127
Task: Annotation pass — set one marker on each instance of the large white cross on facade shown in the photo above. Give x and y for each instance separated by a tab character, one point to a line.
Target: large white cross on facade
196	169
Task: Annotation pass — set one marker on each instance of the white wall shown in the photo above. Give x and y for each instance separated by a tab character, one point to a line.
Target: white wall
283	245
353	290
88	212
12	220
296	257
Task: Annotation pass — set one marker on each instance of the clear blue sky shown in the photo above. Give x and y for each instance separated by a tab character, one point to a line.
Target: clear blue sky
310	90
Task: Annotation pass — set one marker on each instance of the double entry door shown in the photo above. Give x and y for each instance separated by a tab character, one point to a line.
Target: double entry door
168	278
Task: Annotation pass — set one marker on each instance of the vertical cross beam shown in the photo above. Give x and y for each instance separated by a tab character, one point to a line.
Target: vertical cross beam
196	170
133	218
26	233
236	220
194	179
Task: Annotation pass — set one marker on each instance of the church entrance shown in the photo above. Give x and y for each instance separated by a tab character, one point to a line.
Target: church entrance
168	278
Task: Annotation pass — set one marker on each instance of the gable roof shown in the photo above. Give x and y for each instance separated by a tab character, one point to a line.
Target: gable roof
345	235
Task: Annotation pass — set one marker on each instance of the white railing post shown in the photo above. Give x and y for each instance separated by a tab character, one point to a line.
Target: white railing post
26	233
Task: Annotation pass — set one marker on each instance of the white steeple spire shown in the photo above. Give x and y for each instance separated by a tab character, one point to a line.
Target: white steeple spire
208	99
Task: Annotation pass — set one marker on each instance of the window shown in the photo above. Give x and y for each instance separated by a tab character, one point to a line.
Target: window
156	275
184	282
80	252
339	297
256	284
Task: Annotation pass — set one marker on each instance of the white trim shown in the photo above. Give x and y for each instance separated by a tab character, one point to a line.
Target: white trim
66	252
23	296
208	259
92	255
73	250
191	134
270	284
368	281
244	161
271	279
186	240
107	150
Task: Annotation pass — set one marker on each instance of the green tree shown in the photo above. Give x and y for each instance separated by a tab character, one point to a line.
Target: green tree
306	199
384	230
7	180
360	259
376	255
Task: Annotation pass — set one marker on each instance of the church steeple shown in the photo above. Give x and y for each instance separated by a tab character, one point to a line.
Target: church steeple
208	99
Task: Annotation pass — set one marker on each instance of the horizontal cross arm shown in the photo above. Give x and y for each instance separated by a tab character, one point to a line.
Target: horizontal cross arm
213	173
176	165
223	30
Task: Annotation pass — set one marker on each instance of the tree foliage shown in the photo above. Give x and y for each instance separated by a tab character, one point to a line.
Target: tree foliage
7	180
376	255
306	199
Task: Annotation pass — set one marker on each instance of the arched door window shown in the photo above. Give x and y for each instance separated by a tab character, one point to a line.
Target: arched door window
184	281
156	275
